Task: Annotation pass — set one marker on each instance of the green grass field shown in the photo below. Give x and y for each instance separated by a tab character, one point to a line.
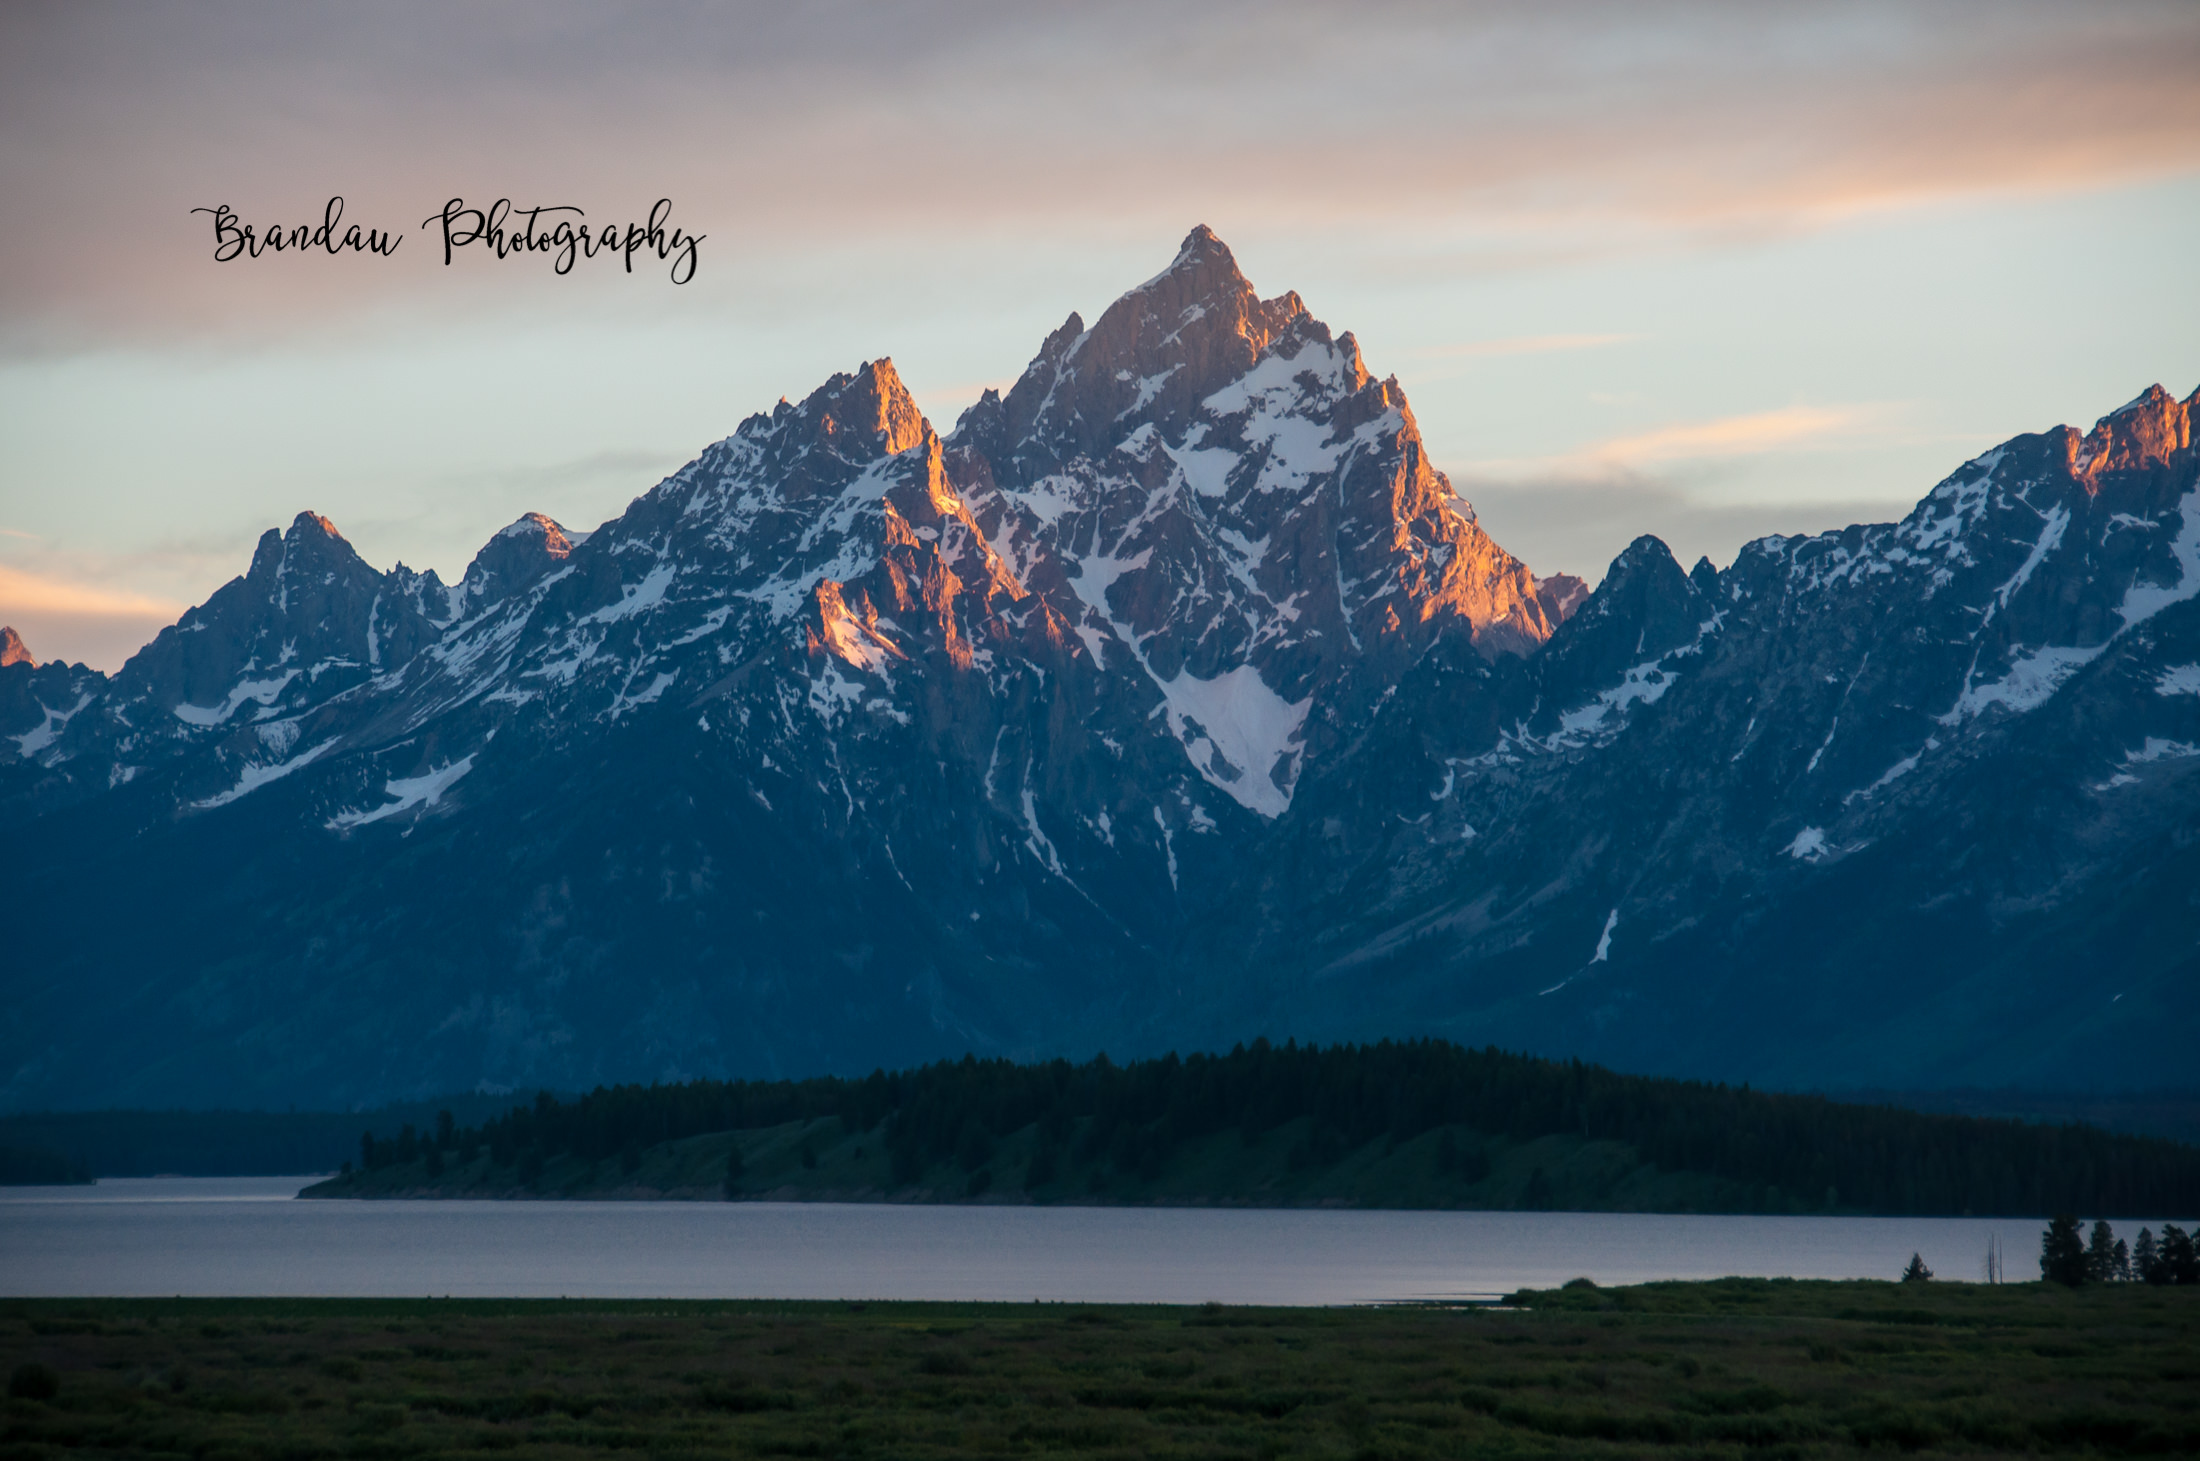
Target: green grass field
1736	1367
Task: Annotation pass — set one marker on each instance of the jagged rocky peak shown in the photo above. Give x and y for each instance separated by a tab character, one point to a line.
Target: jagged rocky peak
299	591
862	416
1561	594
37	701
2148	432
1222	505
1152	356
1645	609
536	535
308	617
312	542
1646	590
517	557
837	431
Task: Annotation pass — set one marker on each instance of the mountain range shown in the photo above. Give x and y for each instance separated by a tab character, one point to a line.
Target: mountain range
1173	698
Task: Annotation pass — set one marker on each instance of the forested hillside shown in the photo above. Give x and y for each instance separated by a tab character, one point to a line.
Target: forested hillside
1417	1124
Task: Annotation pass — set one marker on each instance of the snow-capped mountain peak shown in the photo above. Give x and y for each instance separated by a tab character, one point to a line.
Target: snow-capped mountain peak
1176	697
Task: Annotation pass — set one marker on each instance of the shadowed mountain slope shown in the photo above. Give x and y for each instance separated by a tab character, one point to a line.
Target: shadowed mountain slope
1173	699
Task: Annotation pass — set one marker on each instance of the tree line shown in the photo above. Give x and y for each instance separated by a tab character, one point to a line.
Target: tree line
1790	1150
125	1143
2068	1256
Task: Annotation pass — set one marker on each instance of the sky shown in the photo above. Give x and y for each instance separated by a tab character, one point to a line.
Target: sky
1708	271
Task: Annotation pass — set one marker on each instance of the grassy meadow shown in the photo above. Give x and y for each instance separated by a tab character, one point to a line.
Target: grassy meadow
1774	1368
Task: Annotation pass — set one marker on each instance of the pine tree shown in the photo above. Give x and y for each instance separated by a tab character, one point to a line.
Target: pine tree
2100	1254
2062	1252
1917	1272
2146	1260
2178	1258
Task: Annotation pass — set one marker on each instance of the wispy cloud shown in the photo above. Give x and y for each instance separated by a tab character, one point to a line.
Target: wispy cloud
24	593
1754	433
1522	345
1788	429
81	621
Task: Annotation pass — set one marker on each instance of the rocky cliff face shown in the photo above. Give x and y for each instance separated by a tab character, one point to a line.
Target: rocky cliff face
1174	697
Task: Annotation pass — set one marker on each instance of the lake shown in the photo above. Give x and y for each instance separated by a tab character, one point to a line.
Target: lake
245	1236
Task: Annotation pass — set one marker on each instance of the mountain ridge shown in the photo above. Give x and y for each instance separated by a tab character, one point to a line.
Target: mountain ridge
1173	698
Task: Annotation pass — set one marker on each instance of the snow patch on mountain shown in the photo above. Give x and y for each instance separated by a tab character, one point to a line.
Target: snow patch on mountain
254	777
1607	714
42	735
2142	601
635	598
833	695
2159	748
851	639
1241	736
1205	469
1275	397
2051	536
262	692
1809	845
2033	678
1892	774
1604	940
410	791
1036	838
628	698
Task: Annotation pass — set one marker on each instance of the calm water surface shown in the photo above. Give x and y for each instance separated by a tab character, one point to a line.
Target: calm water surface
245	1236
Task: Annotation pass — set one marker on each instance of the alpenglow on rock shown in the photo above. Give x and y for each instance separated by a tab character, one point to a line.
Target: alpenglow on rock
1173	698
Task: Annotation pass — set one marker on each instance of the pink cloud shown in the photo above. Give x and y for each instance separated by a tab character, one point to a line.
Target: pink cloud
1483	136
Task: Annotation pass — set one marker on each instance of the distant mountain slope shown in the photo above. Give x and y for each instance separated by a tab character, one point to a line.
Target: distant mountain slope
1173	699
1912	804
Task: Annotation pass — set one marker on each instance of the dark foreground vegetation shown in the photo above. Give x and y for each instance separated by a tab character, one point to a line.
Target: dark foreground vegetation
1762	1367
1417	1124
